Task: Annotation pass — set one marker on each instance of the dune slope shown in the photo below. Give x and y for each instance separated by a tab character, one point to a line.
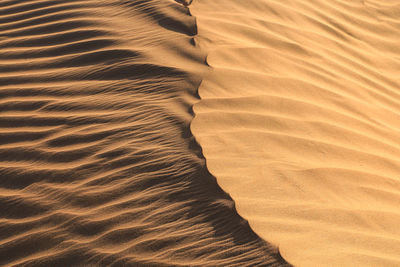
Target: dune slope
97	163
300	123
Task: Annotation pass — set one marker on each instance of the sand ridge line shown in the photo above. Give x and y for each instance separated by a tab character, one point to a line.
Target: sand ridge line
97	162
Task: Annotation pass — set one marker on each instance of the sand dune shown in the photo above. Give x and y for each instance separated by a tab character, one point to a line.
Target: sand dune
299	121
98	166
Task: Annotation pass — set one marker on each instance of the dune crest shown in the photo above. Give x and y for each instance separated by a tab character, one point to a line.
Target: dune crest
98	166
299	121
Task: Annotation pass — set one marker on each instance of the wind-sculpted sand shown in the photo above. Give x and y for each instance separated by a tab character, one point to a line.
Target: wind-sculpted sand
299	121
98	166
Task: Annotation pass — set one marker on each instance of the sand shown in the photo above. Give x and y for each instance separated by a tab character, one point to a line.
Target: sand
98	166
199	133
299	121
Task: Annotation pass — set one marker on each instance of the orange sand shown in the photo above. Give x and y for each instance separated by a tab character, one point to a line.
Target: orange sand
98	166
300	123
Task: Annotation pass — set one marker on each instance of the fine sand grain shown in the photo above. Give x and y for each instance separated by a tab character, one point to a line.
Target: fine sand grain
97	163
299	121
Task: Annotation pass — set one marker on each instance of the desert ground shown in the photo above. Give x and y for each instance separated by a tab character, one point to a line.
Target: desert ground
199	133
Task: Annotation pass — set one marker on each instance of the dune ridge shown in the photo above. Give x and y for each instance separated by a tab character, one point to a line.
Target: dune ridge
98	166
299	121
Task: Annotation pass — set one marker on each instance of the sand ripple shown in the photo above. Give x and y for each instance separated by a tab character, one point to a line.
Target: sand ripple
300	122
97	162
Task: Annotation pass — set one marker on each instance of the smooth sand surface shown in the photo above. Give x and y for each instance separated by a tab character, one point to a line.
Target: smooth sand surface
98	166
300	123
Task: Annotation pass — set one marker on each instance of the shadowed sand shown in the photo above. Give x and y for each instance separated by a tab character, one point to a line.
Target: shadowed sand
97	163
300	122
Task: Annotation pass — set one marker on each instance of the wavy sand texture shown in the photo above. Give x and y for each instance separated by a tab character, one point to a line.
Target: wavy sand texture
97	163
300	122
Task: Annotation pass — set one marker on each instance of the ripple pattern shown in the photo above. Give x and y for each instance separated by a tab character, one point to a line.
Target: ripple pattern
97	163
299	120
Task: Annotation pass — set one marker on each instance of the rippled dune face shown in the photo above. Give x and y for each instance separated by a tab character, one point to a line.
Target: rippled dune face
98	166
126	126
299	121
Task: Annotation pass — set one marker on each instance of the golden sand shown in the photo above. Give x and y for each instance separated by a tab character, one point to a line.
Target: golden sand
300	123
